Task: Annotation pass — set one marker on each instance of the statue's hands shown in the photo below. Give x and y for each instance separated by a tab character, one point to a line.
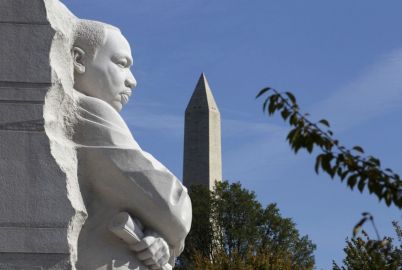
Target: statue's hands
154	252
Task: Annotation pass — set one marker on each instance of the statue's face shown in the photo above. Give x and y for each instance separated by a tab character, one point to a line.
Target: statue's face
108	76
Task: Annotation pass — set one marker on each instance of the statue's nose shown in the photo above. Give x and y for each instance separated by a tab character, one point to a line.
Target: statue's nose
130	81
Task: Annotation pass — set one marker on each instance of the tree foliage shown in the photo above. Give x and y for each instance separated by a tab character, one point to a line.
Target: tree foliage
363	253
349	165
231	230
200	239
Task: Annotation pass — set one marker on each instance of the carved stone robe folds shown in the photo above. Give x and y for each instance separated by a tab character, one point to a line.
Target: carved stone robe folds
116	175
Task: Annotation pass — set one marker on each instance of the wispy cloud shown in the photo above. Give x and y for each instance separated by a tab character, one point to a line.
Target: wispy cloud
377	91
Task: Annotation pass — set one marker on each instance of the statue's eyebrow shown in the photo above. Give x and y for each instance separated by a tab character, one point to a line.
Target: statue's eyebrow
127	57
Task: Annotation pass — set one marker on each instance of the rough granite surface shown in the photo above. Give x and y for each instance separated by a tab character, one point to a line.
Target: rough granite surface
40	209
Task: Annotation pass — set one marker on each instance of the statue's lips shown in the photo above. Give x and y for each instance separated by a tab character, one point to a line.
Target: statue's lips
125	95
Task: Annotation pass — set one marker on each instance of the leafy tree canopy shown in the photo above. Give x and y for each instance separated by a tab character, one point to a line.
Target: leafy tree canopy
362	253
232	230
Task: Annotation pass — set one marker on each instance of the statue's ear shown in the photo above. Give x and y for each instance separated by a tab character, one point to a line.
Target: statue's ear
78	60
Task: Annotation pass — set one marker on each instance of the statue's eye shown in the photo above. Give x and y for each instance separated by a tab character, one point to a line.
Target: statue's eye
122	62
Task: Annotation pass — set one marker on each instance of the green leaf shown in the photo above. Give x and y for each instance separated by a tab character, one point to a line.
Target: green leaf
285	114
358	226
327	143
334	170
309	145
362	184
318	163
264	105
388	198
295	136
298	140
291	134
271	106
340	172
279	105
326	162
324	122
344	174
291	97
293	119
263	91
352	180
358	149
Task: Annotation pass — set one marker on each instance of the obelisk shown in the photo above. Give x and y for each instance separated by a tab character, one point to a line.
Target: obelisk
202	164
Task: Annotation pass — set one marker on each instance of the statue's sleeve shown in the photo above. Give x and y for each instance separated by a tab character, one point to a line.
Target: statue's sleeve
132	180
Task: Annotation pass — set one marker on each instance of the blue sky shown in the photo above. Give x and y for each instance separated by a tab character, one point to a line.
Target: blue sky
342	59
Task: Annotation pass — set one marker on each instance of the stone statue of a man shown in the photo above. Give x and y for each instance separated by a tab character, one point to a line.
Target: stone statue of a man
114	173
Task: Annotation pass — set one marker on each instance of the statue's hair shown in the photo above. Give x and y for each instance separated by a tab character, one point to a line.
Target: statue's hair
90	35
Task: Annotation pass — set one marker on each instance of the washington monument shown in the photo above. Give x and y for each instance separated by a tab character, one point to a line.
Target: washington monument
202	138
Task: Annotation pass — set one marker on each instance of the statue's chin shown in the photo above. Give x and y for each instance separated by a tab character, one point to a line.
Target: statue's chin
118	106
